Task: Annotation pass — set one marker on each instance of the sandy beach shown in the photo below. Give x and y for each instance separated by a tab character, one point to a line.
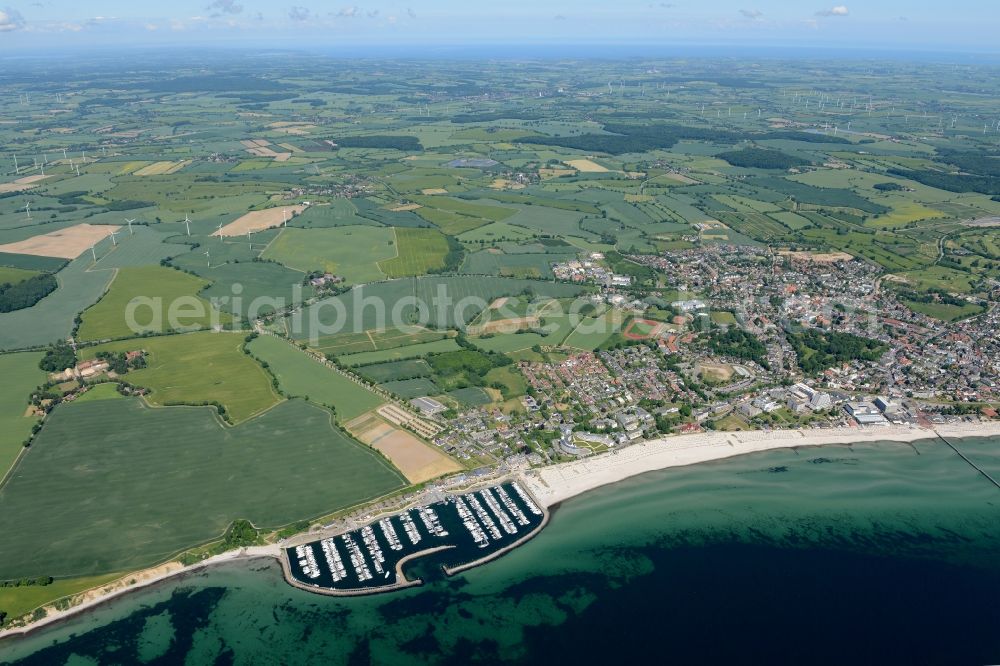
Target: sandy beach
552	485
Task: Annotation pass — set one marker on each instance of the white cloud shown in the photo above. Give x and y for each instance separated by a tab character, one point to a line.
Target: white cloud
752	14
839	10
298	13
349	12
10	20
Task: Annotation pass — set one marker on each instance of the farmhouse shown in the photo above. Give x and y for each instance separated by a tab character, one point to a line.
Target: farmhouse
325	279
90	368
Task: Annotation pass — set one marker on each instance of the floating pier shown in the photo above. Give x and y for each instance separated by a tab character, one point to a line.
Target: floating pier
464	530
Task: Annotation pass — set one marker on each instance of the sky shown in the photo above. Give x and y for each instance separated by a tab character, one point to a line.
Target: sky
914	25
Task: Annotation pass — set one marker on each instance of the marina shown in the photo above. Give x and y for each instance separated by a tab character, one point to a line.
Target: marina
462	531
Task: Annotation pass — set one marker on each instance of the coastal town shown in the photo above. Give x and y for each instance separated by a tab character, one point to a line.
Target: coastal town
755	340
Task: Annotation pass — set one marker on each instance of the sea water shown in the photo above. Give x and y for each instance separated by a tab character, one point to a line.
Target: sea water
872	553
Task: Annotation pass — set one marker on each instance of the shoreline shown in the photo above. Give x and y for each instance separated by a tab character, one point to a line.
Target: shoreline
552	485
557	483
55	615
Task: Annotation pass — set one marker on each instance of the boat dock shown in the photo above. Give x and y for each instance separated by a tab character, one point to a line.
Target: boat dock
463	530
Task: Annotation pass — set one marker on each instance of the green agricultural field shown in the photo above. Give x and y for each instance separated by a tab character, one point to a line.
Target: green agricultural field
105	391
495	232
396	353
419	251
513	383
31	262
135	485
472	396
251	289
395	370
543	220
199	367
301	375
20	375
358	310
940	277
51	318
411	388
185	193
511	342
492	262
450	222
144	247
164	299
592	332
352	252
14	275
945	311
485	210
354	343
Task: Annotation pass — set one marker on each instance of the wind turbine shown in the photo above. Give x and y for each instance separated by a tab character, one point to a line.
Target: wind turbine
129	223
93	252
249	240
187	224
64	153
284	214
114	238
17	169
43	169
219	233
27	209
207	254
77	167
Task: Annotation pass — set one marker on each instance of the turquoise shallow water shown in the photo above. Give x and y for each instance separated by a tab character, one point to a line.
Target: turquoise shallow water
874	553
